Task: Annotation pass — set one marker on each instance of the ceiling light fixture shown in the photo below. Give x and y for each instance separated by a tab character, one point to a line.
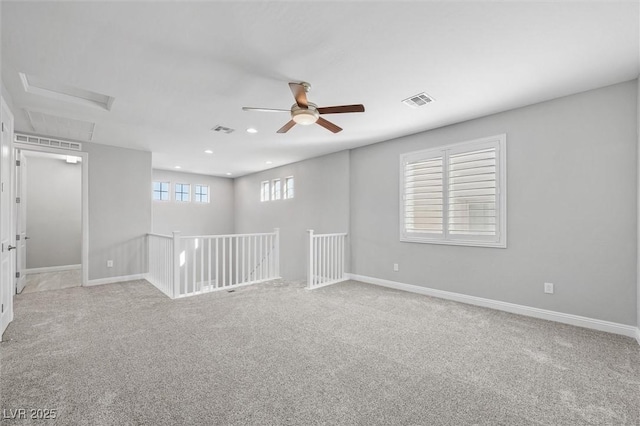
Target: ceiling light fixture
228	174
71	159
268	162
251	130
208	151
177	167
304	116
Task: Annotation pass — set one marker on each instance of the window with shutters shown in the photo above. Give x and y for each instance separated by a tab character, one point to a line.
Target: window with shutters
264	191
455	194
276	189
288	187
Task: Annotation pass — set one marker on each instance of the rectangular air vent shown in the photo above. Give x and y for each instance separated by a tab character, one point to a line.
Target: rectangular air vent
222	129
62	127
54	143
416	101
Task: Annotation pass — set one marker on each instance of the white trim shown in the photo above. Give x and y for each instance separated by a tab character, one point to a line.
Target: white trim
112	280
52	269
85	198
329	283
638	335
579	321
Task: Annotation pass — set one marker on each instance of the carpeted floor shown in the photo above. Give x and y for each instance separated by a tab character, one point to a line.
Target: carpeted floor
275	353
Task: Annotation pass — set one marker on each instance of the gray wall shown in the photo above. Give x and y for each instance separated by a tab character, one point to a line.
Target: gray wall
321	203
193	218
572	203
119	210
54	212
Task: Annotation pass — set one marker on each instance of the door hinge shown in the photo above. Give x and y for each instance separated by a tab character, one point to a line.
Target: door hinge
17	274
17	237
17	162
3	126
2	308
18	200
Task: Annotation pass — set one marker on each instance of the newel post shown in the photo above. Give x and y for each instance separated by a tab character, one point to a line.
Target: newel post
310	260
176	264
277	249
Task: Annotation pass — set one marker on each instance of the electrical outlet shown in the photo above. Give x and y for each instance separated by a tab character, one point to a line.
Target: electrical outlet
109	263
548	288
395	267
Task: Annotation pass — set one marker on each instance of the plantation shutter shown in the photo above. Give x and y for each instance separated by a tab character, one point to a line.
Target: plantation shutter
472	193
423	196
455	194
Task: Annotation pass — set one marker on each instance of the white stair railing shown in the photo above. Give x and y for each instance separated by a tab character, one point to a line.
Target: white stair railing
201	264
326	264
161	262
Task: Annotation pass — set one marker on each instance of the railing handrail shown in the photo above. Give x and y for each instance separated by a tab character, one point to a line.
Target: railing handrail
228	235
159	235
337	234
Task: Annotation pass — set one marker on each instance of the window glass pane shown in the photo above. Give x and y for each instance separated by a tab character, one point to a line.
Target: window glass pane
288	189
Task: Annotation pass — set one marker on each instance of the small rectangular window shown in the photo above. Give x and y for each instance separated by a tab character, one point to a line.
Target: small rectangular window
202	193
183	192
455	194
276	188
161	191
264	191
288	187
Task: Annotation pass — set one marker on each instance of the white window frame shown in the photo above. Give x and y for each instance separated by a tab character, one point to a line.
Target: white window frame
276	189
153	191
195	193
264	193
499	240
285	191
175	191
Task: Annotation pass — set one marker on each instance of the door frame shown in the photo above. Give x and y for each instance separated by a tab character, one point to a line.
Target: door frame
85	195
20	215
6	291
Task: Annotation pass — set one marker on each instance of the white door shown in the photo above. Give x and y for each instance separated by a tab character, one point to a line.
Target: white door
6	209
21	219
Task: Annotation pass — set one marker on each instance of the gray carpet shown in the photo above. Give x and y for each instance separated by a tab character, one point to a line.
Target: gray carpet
275	353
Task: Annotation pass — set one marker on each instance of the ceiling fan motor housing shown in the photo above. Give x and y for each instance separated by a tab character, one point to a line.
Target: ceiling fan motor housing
305	116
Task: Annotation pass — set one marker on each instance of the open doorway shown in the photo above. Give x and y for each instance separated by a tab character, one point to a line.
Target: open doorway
49	213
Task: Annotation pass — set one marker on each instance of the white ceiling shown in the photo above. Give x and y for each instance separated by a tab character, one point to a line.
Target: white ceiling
177	69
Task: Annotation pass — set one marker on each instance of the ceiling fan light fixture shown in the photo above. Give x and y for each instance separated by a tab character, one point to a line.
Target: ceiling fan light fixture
305	116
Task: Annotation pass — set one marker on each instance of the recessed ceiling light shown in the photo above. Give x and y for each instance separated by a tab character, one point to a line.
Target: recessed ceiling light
208	151
228	174
268	162
251	130
177	167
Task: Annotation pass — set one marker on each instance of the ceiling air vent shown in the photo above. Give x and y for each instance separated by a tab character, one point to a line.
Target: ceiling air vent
223	129
54	143
416	101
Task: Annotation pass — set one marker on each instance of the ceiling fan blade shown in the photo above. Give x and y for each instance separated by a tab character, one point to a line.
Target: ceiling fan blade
287	127
341	109
328	125
300	94
265	109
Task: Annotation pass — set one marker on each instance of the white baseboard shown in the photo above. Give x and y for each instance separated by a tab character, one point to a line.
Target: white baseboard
112	280
329	283
51	269
595	324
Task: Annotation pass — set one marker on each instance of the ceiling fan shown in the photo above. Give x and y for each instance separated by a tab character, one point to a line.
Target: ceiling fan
304	112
